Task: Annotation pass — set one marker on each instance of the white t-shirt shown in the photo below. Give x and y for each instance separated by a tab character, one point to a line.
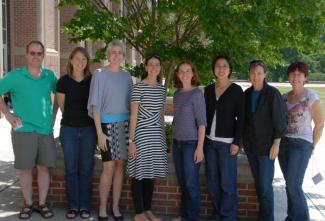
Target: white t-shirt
299	116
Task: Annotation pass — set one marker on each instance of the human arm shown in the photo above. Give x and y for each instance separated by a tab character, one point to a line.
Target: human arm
318	119
239	126
198	154
133	122
100	134
14	121
60	99
135	102
279	123
55	109
200	116
274	151
7	85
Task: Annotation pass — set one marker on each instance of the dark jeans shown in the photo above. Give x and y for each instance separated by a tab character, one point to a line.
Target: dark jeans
78	146
187	172
142	191
263	172
221	173
293	158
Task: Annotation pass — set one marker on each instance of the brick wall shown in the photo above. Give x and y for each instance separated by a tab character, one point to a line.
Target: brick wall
166	198
24	22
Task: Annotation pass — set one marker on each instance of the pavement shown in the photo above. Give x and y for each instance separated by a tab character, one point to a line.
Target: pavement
11	198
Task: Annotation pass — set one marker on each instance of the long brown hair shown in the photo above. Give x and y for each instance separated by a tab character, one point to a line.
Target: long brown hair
195	79
84	52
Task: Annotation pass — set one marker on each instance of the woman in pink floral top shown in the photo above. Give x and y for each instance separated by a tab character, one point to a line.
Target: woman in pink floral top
302	107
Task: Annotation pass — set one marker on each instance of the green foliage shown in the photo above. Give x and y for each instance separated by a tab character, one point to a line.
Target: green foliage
317	77
198	30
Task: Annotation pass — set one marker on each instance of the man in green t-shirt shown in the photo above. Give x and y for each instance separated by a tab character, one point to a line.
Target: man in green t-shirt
31	88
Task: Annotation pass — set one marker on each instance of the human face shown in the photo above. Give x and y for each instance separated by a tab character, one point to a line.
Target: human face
257	76
153	67
185	75
297	78
222	69
115	55
79	63
34	56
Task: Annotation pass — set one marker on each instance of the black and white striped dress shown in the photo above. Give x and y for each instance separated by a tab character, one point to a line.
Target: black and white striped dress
151	160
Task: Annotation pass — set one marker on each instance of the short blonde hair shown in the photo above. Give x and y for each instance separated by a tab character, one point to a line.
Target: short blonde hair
117	43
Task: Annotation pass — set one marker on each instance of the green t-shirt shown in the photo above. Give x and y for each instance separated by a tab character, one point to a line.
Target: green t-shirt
31	98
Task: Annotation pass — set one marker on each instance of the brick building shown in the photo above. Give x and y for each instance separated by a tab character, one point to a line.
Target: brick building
26	20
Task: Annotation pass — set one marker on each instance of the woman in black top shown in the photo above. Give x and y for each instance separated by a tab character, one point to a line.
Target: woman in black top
77	134
265	124
225	115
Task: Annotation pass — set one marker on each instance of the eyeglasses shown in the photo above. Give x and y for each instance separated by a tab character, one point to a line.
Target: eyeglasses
34	53
153	65
222	67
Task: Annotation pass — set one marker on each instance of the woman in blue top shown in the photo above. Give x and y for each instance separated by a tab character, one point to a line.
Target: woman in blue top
264	126
188	132
77	134
109	104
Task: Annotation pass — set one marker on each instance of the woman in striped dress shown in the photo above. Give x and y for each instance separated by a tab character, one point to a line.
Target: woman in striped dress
147	144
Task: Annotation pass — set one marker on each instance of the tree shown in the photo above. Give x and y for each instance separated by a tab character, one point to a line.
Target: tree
198	30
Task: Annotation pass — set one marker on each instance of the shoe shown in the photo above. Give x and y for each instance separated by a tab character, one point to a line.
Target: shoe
26	212
116	218
102	218
45	211
84	214
150	216
71	214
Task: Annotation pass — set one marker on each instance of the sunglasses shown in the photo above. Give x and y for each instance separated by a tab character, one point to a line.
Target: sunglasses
33	53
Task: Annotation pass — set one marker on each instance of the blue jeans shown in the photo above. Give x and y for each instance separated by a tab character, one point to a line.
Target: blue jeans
293	158
221	174
187	172
78	146
263	172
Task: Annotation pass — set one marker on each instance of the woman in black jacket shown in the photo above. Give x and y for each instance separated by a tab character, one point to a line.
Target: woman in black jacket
265	124
225	121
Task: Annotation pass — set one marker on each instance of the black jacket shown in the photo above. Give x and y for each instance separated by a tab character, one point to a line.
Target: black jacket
229	111
269	122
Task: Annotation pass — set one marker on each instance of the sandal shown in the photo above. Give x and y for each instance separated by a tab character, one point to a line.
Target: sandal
26	212
71	214
150	216
45	211
84	214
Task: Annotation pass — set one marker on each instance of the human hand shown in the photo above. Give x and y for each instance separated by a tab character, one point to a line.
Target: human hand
102	141
198	155
132	150
234	149
274	151
15	122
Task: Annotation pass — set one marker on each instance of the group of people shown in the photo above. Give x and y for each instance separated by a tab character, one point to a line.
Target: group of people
127	123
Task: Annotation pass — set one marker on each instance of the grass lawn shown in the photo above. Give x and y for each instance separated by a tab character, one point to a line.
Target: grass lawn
320	91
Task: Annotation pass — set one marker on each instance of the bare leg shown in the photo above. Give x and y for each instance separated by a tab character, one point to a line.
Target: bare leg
43	181
25	180
105	183
141	217
117	185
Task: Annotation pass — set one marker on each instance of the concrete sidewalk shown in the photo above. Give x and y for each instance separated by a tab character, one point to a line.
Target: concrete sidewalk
11	199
